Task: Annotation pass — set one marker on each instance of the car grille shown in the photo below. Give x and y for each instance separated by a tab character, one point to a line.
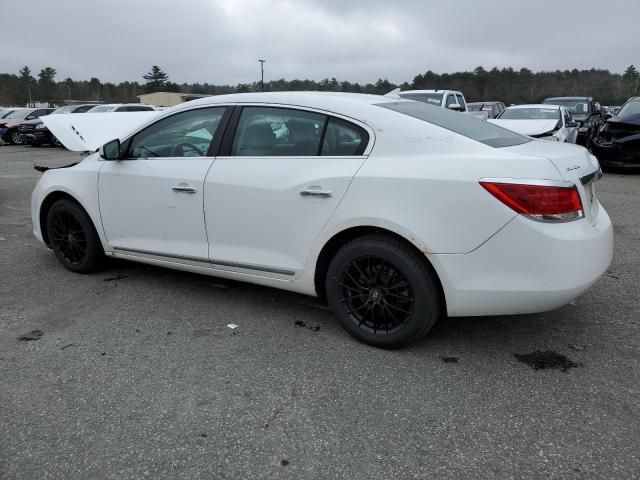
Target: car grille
26	128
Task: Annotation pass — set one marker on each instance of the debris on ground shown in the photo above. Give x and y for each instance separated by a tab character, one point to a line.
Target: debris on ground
547	360
117	277
32	335
301	324
67	346
578	347
233	327
450	359
284	462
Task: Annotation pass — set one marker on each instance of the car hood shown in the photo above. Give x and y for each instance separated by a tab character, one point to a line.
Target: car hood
632	120
35	121
12	122
527	127
572	161
82	132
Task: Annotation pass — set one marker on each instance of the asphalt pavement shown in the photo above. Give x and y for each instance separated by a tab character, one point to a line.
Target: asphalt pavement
136	374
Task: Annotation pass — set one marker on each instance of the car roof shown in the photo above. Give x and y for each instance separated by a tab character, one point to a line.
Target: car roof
536	105
568	98
437	90
483	103
349	104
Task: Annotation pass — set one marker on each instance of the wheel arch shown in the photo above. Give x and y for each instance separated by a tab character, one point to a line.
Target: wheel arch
46	204
341	238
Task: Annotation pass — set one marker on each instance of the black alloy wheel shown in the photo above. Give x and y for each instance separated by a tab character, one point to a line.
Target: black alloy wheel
377	297
383	292
16	138
73	237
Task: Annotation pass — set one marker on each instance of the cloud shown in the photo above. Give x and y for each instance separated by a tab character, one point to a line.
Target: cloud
221	41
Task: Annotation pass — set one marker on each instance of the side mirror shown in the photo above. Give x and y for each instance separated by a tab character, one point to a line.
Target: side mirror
455	106
111	150
30	117
571	124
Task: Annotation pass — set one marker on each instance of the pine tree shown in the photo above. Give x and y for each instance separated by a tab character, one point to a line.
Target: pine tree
156	79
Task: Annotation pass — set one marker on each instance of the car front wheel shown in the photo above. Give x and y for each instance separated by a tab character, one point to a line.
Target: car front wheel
73	237
383	292
16	138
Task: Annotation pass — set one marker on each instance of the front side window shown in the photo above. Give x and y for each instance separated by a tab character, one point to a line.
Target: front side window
278	132
465	125
185	134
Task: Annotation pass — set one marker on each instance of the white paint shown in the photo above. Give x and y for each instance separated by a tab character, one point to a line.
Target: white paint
415	179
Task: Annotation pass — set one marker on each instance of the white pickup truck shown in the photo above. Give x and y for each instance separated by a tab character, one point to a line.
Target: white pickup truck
451	99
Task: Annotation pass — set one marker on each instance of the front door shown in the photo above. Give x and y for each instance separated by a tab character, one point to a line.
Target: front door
270	196
151	202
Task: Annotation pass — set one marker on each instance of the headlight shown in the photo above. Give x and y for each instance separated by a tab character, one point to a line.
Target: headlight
583	129
40	126
550	137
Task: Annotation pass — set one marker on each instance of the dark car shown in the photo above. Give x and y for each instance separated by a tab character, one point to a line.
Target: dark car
10	123
617	143
493	109
585	112
36	133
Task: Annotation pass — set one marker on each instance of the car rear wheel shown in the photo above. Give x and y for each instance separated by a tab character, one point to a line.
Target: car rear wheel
16	138
383	292
73	238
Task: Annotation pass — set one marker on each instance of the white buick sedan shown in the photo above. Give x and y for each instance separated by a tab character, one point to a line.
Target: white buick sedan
395	211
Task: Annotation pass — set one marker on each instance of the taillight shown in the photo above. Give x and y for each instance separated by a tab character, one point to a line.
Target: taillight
540	202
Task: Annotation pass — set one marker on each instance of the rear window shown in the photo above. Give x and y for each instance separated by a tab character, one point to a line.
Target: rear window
460	123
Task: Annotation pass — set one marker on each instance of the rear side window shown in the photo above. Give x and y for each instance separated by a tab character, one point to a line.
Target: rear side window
465	125
344	139
278	132
461	100
451	99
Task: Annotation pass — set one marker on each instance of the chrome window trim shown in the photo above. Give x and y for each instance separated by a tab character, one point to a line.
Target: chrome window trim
530	181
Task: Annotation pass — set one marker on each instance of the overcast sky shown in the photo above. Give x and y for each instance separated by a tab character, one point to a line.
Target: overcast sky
219	41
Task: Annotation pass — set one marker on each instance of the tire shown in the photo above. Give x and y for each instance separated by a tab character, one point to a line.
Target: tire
15	138
73	237
382	292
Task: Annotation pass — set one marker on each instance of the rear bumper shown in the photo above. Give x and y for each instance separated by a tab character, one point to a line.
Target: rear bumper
527	267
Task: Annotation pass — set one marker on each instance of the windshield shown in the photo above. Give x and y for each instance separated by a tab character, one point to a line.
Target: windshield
430	98
465	125
18	113
102	108
5	114
530	114
630	108
66	109
576	107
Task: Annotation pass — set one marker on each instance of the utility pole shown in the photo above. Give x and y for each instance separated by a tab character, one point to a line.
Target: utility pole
262	74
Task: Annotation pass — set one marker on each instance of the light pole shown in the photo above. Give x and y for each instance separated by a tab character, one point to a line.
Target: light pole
262	74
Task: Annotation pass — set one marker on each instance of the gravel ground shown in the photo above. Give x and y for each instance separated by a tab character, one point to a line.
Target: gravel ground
137	374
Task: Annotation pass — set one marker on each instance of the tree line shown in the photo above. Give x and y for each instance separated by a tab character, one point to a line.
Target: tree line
506	84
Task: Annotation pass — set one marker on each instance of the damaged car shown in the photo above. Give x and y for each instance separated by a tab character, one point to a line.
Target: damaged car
353	204
585	112
10	123
35	132
546	122
617	143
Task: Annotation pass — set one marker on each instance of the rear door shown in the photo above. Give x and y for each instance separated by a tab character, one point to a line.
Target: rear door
275	184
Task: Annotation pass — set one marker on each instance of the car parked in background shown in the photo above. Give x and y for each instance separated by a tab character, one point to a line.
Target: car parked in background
493	109
451	99
359	193
4	111
121	107
36	133
10	123
546	122
617	143
585	111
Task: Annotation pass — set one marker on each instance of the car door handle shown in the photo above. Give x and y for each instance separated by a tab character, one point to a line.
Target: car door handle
316	193
184	189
